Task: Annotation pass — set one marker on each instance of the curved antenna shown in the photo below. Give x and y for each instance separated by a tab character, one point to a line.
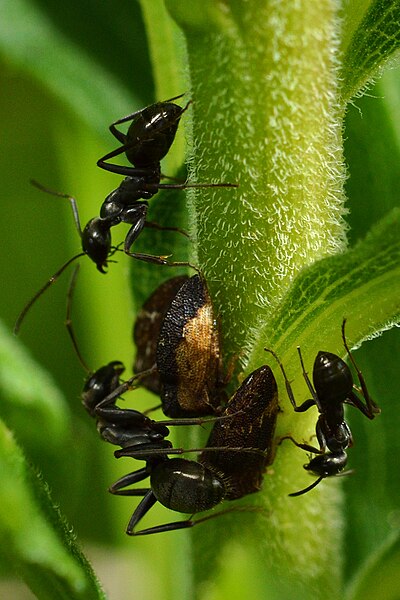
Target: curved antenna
308	488
68	319
57	274
48	283
71	199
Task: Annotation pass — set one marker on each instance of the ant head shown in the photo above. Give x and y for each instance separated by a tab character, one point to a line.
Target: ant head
327	465
96	241
100	385
324	465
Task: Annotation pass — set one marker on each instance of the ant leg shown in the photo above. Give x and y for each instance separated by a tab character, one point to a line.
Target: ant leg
308	403
191	523
125	387
161	260
120	169
372	408
130	479
308	382
184	186
135	230
303	446
144	454
162	228
142	509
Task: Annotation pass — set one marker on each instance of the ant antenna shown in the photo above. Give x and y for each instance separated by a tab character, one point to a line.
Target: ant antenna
68	319
308	488
48	283
71	199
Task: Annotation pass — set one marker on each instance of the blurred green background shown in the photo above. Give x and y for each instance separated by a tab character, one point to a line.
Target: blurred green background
67	71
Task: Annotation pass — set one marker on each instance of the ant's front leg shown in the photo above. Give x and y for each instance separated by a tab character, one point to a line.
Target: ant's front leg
129	384
161	260
308	403
135	216
164	228
303	445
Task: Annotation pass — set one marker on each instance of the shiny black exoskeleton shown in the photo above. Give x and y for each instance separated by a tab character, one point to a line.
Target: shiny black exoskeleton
134	432
333	387
232	464
148	139
122	427
324	465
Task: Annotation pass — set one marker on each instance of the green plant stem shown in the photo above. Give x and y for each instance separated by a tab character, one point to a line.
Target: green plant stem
265	116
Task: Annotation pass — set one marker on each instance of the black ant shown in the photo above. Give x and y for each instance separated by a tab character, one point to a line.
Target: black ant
148	140
329	464
333	387
232	464
239	449
96	244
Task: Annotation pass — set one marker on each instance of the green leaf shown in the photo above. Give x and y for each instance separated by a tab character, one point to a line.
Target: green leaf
375	42
31	402
353	13
30	42
36	542
372	149
379	577
362	284
168	56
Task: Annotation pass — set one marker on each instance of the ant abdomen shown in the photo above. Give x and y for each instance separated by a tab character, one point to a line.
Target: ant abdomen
161	121
186	486
332	377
